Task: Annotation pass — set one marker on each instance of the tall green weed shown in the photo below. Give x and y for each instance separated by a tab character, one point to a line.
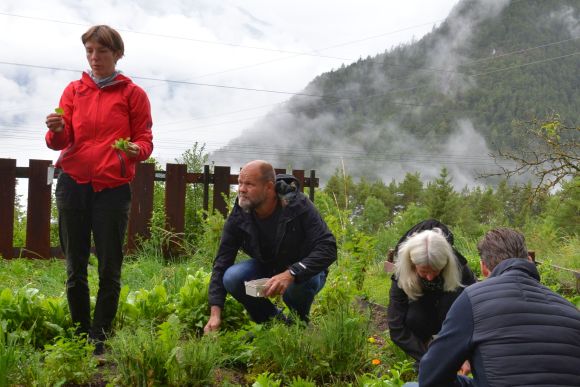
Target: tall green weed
332	348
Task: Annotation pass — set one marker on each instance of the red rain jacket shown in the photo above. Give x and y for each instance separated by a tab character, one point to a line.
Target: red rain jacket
94	119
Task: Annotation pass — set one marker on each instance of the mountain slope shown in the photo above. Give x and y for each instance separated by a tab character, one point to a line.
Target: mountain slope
447	100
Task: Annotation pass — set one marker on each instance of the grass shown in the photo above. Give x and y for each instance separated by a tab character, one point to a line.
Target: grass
377	283
47	275
334	349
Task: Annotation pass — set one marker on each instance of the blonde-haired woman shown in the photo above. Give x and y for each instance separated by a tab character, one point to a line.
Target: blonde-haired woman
429	275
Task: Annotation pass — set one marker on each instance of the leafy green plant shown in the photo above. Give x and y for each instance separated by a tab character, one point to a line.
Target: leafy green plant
8	354
549	275
141	354
33	315
236	347
192	306
333	347
68	361
208	241
287	351
401	372
29	369
343	341
266	379
148	356
121	144
192	362
297	381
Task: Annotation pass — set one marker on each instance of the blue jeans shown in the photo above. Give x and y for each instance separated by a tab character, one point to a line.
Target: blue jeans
298	297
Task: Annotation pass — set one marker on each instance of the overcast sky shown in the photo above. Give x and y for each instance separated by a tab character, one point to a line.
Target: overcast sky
195	59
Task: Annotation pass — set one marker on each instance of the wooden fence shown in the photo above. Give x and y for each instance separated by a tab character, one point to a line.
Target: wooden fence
175	176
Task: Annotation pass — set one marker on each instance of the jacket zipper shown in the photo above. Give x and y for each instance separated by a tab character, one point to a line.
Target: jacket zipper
282	226
122	162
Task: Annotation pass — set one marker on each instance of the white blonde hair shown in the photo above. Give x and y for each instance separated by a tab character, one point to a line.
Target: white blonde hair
428	247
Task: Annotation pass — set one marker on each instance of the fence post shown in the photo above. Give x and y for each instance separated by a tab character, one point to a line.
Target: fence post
141	204
312	184
206	181
175	185
221	185
7	202
38	211
299	174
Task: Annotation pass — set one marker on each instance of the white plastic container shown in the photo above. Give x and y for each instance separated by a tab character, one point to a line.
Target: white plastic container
255	288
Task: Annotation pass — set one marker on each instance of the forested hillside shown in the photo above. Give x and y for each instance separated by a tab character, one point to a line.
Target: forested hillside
447	100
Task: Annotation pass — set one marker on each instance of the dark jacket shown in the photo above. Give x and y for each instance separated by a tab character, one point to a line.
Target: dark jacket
513	330
413	323
304	244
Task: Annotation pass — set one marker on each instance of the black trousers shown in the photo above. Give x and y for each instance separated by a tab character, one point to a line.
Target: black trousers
104	215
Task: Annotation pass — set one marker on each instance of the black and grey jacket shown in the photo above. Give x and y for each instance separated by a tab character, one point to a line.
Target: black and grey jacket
304	244
513	330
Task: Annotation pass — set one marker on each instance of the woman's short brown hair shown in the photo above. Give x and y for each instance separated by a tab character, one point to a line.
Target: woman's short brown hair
107	37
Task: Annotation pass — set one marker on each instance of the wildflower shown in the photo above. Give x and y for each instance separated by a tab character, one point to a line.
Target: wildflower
376	362
371	340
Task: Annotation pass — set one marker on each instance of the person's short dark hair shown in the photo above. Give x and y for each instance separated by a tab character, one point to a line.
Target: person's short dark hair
106	36
500	244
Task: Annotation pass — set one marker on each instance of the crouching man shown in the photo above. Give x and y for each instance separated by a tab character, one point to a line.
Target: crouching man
513	330
286	239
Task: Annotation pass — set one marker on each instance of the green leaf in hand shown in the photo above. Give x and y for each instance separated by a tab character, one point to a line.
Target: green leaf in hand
121	144
59	110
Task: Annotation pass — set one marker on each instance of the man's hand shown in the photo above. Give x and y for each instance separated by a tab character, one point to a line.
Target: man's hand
278	284
215	320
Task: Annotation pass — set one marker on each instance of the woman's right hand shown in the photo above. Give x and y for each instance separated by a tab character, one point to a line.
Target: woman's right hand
55	122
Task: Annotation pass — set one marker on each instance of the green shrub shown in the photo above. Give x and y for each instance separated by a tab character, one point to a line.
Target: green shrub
8	355
334	348
68	361
192	362
34	315
141	353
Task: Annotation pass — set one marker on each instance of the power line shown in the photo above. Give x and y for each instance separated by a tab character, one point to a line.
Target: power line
229	44
254	89
338	99
181	82
279	91
492	57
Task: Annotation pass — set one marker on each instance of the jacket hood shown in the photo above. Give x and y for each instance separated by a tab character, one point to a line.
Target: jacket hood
88	81
287	187
519	264
288	191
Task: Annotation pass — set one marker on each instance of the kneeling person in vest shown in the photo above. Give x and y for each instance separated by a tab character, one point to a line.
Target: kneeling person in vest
512	329
286	239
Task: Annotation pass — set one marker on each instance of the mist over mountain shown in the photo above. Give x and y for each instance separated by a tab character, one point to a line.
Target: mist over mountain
446	100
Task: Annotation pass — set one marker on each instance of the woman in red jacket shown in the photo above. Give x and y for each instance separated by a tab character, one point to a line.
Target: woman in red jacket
93	195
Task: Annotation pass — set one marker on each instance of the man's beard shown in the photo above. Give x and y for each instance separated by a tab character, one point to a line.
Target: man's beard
249	205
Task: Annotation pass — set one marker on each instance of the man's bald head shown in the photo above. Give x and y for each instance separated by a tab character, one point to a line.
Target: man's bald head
256	188
263	169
